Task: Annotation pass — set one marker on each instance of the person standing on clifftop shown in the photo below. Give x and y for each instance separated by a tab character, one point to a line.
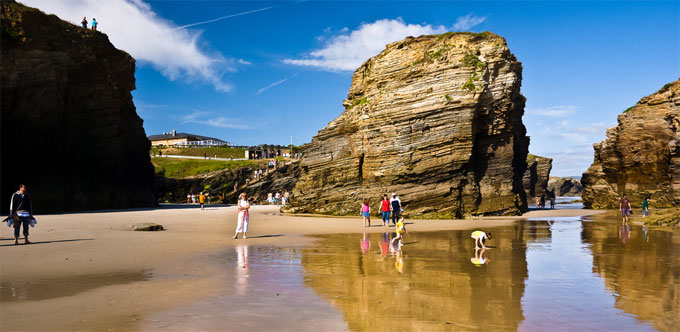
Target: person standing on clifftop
21	209
395	203
84	22
624	206
94	24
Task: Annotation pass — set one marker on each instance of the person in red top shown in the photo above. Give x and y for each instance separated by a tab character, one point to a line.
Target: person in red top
385	209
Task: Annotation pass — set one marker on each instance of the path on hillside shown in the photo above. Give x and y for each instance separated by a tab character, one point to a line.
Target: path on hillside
198	157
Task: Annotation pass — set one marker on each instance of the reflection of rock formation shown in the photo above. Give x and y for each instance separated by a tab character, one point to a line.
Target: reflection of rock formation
437	119
644	274
69	127
565	186
439	290
640	156
535	180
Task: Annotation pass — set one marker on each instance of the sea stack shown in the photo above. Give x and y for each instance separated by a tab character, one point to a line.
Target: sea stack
70	131
640	156
536	177
436	119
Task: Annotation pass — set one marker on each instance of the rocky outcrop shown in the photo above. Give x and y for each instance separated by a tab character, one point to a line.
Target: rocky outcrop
565	186
221	183
436	119
535	180
640	156
70	131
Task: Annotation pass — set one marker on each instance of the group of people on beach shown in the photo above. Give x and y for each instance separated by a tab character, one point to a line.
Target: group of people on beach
540	200
388	206
627	210
83	23
278	199
201	198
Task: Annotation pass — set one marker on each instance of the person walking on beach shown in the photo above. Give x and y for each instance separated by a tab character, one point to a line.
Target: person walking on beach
401	230
538	202
542	205
201	199
84	22
94	24
277	198
286	198
480	237
21	210
395	207
270	198
624	206
552	202
645	207
366	213
243	216
188	198
385	209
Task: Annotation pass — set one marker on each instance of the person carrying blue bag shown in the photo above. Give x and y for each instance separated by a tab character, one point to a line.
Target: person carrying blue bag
21	211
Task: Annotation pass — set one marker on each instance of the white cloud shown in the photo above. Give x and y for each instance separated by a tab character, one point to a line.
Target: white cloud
558	111
465	23
244	62
205	118
348	50
134	27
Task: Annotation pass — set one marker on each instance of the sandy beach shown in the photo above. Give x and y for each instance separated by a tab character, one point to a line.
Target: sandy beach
90	271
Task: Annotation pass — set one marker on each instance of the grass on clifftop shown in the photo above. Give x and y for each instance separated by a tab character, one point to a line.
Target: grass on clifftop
180	168
221	152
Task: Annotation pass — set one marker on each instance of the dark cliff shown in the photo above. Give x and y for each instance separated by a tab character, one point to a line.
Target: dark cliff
70	130
436	119
639	157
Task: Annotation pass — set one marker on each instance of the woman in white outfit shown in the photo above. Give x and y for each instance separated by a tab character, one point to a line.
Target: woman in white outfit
243	216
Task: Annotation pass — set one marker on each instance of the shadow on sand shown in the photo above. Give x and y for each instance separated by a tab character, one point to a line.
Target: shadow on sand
43	242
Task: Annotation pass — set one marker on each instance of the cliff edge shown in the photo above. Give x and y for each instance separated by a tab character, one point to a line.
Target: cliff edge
640	156
70	130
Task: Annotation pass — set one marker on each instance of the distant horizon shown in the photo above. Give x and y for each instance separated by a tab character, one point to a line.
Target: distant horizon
254	72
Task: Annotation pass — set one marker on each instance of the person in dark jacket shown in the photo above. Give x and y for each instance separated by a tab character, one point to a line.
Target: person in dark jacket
21	210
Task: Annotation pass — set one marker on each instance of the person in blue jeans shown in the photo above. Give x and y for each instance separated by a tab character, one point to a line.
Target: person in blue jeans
395	203
385	209
21	210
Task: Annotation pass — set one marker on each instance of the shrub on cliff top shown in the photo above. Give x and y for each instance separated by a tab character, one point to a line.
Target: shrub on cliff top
471	60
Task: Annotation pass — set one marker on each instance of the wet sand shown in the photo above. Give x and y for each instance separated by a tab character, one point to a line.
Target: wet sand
89	271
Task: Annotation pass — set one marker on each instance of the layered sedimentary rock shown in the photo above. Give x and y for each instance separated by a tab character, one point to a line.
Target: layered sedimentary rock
70	131
640	156
565	186
535	180
436	119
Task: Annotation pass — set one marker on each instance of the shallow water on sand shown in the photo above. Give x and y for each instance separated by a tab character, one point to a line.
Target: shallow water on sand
567	274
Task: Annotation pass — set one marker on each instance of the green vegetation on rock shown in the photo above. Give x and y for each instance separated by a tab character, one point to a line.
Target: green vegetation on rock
471	60
470	84
531	158
180	168
448	97
628	109
667	217
360	101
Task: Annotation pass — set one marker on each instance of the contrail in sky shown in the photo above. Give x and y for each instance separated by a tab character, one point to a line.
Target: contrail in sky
224	17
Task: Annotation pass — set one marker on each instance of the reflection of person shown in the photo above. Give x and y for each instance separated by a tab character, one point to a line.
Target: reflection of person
400	229
479	260
624	206
242	270
365	243
624	233
399	262
480	237
243	216
21	210
645	233
385	244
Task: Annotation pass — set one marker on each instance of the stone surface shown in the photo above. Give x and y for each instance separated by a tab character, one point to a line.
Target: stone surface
535	180
70	131
640	156
565	186
436	119
147	227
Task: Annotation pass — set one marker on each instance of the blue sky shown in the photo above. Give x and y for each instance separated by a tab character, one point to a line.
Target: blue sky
278	69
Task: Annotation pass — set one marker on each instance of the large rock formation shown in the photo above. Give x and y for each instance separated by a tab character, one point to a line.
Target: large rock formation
436	119
535	180
69	128
565	186
640	156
